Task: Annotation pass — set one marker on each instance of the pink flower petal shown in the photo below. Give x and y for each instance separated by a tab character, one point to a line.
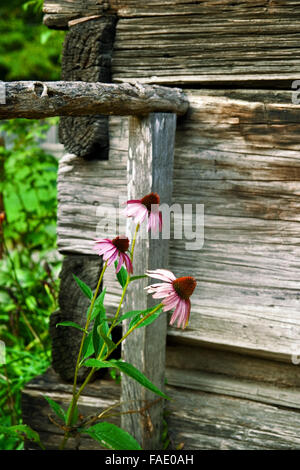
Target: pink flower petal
133	201
160	221
110	253
128	263
162	274
112	258
141	215
121	261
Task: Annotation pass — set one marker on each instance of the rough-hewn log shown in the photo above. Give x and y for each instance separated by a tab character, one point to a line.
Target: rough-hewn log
150	168
38	100
87	57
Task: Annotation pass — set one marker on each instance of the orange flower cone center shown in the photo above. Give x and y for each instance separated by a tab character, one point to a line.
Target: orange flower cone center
149	200
121	243
184	286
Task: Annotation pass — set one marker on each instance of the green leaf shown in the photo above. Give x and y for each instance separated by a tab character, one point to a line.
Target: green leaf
56	408
21	431
88	347
121	275
134	320
150	319
97	340
98	306
84	287
135	278
103	333
129	370
71	323
112	437
97	364
128	315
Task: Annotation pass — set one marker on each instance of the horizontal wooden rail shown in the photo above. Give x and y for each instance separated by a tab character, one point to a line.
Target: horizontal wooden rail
37	100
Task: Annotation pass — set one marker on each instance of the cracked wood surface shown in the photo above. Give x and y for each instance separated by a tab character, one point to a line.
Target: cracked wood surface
38	100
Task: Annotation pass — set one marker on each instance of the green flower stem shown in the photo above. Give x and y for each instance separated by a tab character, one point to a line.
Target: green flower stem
134	240
88	378
88	320
91	373
136	325
125	286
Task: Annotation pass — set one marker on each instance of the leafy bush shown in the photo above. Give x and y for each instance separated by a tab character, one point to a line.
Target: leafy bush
29	266
28	49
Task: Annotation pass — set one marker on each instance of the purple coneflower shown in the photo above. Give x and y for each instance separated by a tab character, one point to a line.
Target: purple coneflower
110	249
175	293
147	206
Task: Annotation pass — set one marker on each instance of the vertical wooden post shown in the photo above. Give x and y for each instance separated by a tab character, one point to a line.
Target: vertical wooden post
150	168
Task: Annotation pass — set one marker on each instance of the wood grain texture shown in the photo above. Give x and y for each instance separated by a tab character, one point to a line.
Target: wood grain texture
207	41
209	421
231	364
87	57
58	13
150	168
37	100
236	152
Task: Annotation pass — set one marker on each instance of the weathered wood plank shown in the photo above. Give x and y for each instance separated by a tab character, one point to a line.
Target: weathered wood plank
192	45
205	421
37	100
233	156
150	167
135	8
58	13
221	384
232	365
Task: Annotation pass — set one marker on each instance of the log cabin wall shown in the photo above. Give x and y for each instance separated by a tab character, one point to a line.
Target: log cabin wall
237	152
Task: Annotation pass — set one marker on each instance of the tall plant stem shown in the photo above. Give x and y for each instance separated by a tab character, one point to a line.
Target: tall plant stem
88	378
91	373
88	320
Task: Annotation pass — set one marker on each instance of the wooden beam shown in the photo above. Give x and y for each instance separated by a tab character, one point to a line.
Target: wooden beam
150	167
38	100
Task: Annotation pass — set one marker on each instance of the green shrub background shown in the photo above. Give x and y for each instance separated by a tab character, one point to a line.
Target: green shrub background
29	263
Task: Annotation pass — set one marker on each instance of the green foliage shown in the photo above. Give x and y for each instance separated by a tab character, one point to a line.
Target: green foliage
21	431
29	264
60	413
127	369
72	324
28	50
84	288
142	314
112	437
121	275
